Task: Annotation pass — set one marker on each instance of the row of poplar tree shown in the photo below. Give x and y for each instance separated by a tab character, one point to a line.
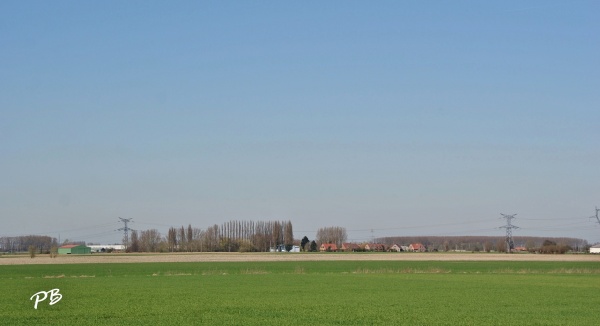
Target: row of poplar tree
244	236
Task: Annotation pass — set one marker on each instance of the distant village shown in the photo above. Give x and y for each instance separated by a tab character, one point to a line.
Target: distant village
278	236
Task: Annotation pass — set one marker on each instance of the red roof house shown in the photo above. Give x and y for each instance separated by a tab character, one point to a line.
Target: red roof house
328	247
374	247
417	247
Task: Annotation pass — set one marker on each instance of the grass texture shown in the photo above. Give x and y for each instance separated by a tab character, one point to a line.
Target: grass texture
310	293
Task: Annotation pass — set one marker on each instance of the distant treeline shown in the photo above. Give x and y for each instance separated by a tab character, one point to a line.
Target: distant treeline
483	243
245	236
41	243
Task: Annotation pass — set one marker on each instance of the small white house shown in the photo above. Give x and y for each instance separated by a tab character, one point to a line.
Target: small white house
396	247
295	249
595	249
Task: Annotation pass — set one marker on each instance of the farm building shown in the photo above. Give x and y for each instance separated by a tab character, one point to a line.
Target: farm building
107	248
74	249
595	249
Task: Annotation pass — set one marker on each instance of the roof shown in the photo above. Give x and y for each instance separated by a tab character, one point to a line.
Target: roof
331	246
375	245
71	246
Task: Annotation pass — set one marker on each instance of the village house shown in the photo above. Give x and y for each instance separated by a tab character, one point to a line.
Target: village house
347	246
328	247
396	247
374	247
417	247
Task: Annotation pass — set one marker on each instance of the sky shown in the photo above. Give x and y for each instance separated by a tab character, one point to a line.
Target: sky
388	118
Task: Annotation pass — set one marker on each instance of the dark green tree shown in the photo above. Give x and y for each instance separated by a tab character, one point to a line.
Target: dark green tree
304	242
313	246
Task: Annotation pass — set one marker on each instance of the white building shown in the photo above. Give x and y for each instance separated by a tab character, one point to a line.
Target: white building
106	248
595	249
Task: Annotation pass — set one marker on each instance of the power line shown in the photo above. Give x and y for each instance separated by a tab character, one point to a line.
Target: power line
87	227
558	227
410	227
549	219
95	235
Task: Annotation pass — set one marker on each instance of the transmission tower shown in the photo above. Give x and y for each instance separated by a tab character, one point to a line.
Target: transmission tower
510	245
597	218
125	230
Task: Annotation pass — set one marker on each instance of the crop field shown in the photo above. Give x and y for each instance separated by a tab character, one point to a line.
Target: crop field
304	293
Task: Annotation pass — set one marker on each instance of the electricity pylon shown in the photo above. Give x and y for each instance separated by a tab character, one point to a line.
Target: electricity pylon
510	245
125	230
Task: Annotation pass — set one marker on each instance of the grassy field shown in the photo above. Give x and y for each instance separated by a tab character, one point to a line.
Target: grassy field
311	293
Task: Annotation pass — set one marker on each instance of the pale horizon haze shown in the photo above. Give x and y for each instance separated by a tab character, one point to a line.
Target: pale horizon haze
388	118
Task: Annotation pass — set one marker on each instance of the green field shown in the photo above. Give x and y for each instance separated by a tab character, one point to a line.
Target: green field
305	293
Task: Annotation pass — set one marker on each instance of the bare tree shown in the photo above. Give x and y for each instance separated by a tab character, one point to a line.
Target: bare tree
182	239
172	239
501	246
276	234
134	242
288	235
189	237
212	238
332	234
197	239
150	240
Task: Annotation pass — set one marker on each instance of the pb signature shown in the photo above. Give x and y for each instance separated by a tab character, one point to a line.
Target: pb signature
54	297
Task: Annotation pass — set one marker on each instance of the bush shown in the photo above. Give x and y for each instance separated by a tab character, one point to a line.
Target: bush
550	247
246	246
53	252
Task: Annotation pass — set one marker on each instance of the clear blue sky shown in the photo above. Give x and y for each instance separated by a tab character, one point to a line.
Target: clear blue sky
408	118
